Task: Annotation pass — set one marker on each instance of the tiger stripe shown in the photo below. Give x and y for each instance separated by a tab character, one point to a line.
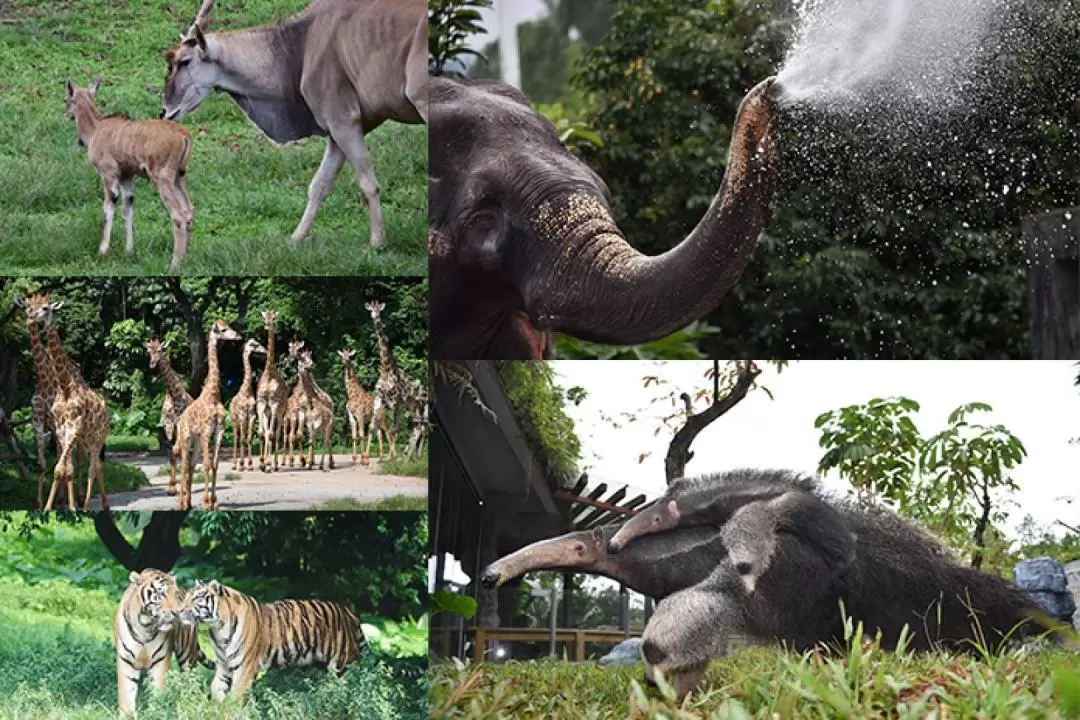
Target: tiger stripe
146	634
249	636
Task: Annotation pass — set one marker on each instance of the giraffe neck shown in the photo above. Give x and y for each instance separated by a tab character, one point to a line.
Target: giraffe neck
173	384
59	359
386	361
271	366
308	382
245	386
46	379
211	388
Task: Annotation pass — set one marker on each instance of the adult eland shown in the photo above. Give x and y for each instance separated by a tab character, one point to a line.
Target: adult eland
339	69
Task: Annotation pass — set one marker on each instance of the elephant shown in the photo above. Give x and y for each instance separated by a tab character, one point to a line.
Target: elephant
894	574
522	243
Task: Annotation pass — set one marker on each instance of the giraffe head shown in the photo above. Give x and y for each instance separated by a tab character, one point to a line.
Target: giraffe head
295	346
304	362
375	308
157	349
346	356
38	309
253	346
269	316
221	331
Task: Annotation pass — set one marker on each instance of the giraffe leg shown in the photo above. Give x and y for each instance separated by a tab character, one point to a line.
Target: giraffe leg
208	468
328	443
352	432
237	460
213	480
250	433
185	473
39	437
311	445
170	438
96	476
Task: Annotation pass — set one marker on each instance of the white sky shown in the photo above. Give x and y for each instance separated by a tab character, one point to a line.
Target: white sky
1036	401
519	10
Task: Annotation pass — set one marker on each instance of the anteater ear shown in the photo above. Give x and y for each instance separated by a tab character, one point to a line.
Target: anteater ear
69	88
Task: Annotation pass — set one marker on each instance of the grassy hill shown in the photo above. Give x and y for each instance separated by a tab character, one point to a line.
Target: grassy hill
248	195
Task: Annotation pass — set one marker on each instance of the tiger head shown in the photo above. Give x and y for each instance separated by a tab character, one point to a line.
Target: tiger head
200	604
158	596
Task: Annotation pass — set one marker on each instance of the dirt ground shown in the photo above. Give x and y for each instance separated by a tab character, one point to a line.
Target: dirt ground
287	489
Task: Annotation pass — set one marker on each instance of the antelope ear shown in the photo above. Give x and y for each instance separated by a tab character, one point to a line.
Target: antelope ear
69	88
95	85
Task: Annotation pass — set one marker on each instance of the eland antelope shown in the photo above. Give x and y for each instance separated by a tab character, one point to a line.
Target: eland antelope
339	69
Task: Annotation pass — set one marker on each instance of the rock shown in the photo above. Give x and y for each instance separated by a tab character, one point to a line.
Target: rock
1046	582
628	652
1072	575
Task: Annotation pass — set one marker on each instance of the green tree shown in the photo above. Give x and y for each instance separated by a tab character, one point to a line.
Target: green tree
873	446
962	465
450	23
884	247
956	481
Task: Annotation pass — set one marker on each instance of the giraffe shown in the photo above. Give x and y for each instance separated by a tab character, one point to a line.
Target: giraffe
295	421
204	420
242	411
418	417
319	414
393	390
359	404
177	399
41	403
80	417
271	395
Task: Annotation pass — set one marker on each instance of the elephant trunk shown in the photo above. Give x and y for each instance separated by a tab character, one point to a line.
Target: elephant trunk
596	286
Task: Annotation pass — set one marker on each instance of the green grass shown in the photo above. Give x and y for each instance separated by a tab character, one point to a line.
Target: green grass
58	593
15	493
412	467
396	502
132	443
248	195
771	683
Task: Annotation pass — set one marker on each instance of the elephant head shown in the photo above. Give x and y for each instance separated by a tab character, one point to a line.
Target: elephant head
521	240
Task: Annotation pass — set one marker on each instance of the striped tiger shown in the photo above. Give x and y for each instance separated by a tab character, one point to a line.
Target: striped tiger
250	636
146	633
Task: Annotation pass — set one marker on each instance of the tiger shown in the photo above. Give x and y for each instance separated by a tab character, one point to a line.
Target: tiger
249	636
146	632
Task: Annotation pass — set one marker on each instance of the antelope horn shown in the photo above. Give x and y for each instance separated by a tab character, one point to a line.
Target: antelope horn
203	18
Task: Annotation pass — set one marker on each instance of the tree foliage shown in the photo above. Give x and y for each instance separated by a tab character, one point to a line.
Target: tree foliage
105	323
538	404
956	481
450	23
877	247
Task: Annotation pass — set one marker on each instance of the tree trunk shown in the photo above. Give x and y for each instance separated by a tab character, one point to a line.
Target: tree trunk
194	321
1052	244
159	546
980	526
679	453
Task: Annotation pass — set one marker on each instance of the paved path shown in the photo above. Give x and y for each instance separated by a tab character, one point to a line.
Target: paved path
287	489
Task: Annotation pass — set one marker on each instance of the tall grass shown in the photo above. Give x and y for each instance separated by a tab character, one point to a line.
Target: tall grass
864	682
248	194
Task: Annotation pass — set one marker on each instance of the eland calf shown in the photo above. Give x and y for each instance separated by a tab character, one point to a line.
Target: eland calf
340	69
122	149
